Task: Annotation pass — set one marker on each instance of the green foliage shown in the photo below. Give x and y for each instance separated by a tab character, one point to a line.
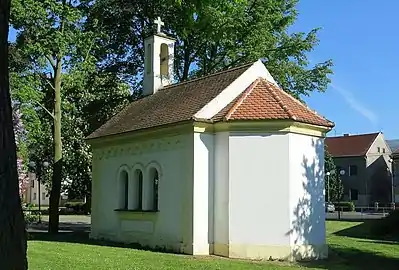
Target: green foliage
77	208
344	206
55	34
334	186
29	215
211	35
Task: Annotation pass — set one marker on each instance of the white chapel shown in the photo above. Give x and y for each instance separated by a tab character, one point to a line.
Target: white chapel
227	164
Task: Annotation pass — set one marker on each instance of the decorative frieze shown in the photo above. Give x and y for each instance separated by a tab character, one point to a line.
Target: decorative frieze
158	145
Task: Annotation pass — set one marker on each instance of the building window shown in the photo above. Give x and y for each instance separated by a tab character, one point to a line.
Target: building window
32	185
155	180
378	149
137	191
352	170
148	59
383	150
123	189
150	190
34	196
164	60
353	194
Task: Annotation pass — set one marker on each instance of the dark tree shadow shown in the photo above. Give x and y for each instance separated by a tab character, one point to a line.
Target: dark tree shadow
308	226
350	258
310	216
83	237
365	230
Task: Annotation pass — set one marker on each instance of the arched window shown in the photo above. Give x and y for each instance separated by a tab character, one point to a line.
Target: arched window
137	190
151	189
123	189
148	59
164	63
154	177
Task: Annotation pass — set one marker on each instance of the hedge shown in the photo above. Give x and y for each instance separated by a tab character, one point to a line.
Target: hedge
78	207
344	206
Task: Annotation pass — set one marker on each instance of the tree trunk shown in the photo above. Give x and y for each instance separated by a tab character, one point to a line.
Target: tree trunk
12	225
55	193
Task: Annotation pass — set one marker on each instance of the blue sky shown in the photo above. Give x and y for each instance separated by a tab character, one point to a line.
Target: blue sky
362	39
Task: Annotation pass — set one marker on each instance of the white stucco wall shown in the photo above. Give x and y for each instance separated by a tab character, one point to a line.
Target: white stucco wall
171	226
221	195
32	192
153	81
275	198
233	194
258	193
203	192
306	199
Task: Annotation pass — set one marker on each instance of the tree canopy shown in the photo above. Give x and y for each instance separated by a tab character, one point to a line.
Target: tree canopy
96	46
211	36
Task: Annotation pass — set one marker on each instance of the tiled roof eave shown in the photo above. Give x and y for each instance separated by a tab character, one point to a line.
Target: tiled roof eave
266	120
350	155
141	130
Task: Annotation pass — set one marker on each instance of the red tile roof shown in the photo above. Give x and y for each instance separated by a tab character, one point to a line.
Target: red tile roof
171	104
263	100
180	102
351	145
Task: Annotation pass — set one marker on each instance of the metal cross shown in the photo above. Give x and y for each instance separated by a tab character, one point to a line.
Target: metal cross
159	24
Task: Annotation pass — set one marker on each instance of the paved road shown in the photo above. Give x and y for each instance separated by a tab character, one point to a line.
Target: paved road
68	223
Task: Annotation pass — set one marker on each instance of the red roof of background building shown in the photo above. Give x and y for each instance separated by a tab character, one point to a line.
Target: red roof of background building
350	145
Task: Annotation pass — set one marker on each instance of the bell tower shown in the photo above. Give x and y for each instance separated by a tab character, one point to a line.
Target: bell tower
158	60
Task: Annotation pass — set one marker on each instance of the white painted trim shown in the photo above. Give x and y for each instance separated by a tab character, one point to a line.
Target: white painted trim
155	165
138	166
123	167
255	71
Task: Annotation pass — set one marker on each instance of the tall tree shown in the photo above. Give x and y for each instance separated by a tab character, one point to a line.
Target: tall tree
50	35
13	244
334	186
89	97
211	36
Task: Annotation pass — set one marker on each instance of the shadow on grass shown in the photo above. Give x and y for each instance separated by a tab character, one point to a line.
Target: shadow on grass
82	237
64	226
366	230
349	258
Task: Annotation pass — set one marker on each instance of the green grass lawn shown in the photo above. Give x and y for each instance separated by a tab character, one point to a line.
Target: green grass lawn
351	247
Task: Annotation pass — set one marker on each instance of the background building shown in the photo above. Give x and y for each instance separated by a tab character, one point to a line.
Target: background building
366	159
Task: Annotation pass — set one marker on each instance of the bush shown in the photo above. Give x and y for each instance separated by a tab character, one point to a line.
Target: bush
77	208
388	225
344	206
30	215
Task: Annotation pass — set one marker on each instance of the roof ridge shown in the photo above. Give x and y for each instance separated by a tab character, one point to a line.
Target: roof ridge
243	95
207	76
298	102
355	135
272	91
